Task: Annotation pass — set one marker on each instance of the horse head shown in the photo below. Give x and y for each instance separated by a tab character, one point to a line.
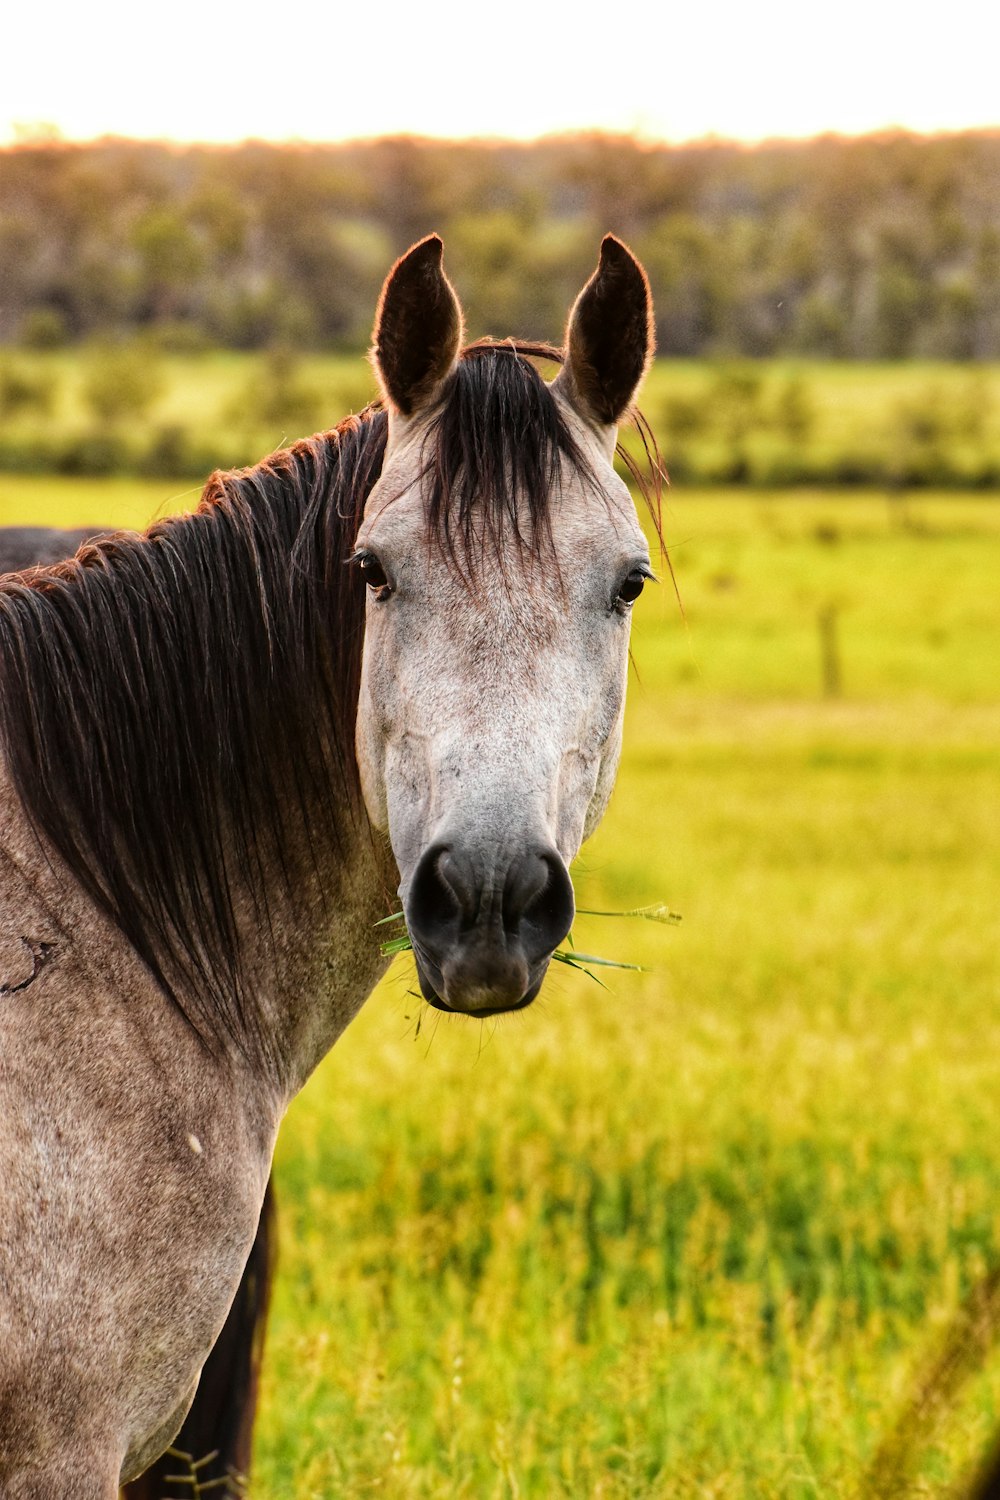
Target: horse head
502	556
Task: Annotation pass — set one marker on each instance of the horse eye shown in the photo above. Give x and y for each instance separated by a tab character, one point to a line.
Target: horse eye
631	588
373	574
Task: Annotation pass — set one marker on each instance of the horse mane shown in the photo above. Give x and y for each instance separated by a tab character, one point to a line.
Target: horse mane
496	448
174	704
164	696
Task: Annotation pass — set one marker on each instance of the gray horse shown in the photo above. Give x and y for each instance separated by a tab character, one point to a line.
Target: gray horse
391	658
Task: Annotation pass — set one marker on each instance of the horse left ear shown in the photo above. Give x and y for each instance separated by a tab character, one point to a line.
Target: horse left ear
418	328
609	339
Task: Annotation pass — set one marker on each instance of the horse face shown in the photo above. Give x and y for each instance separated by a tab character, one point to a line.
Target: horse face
493	680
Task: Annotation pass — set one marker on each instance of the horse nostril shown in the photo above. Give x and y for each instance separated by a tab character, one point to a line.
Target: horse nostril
526	883
538	901
438	892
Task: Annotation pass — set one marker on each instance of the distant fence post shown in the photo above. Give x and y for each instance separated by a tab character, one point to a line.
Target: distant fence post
829	650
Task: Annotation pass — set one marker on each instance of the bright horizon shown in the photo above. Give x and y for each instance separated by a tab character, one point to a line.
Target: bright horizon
776	70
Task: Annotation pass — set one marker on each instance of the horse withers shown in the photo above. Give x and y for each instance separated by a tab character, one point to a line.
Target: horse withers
222	751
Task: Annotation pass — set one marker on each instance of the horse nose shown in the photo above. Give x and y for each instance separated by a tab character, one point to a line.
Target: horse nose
536	906
482	944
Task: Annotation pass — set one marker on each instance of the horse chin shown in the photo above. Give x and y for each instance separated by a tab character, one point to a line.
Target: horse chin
432	986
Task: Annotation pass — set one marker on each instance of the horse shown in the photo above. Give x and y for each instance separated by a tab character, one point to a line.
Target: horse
389	660
217	1432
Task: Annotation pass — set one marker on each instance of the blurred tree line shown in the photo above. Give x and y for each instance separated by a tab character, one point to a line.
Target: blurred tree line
880	247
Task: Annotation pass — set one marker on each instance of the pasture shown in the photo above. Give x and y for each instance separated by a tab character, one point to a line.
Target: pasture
138	409
700	1233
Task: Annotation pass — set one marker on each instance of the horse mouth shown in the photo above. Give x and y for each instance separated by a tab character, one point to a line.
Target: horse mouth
432	984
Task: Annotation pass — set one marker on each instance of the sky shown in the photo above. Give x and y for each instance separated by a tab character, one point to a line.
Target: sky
215	71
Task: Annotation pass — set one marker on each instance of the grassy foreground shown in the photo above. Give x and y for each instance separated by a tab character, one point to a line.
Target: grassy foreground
700	1234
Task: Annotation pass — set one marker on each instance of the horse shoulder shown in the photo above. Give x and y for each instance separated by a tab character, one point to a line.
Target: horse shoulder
132	1174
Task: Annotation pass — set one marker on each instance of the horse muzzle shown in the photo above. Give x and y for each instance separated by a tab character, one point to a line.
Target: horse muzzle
483	939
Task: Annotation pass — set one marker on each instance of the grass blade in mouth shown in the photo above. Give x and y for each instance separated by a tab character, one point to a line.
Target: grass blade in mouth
579	959
658	912
562	957
584	962
396	945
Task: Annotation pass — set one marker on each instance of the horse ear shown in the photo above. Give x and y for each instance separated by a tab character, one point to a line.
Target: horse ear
609	339
418	328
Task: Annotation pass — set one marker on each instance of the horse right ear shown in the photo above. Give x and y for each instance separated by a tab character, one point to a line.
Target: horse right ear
418	328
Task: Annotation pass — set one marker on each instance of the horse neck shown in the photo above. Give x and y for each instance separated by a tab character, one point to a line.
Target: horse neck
322	954
178	724
314	958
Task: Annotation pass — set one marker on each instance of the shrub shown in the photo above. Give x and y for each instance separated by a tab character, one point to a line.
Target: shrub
24	390
96	455
44	328
277	398
122	382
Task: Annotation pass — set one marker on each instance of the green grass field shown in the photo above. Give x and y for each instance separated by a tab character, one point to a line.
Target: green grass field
700	1234
776	422
200	387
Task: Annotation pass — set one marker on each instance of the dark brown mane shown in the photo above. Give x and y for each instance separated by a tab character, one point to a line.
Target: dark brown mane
495	452
167	696
175	704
